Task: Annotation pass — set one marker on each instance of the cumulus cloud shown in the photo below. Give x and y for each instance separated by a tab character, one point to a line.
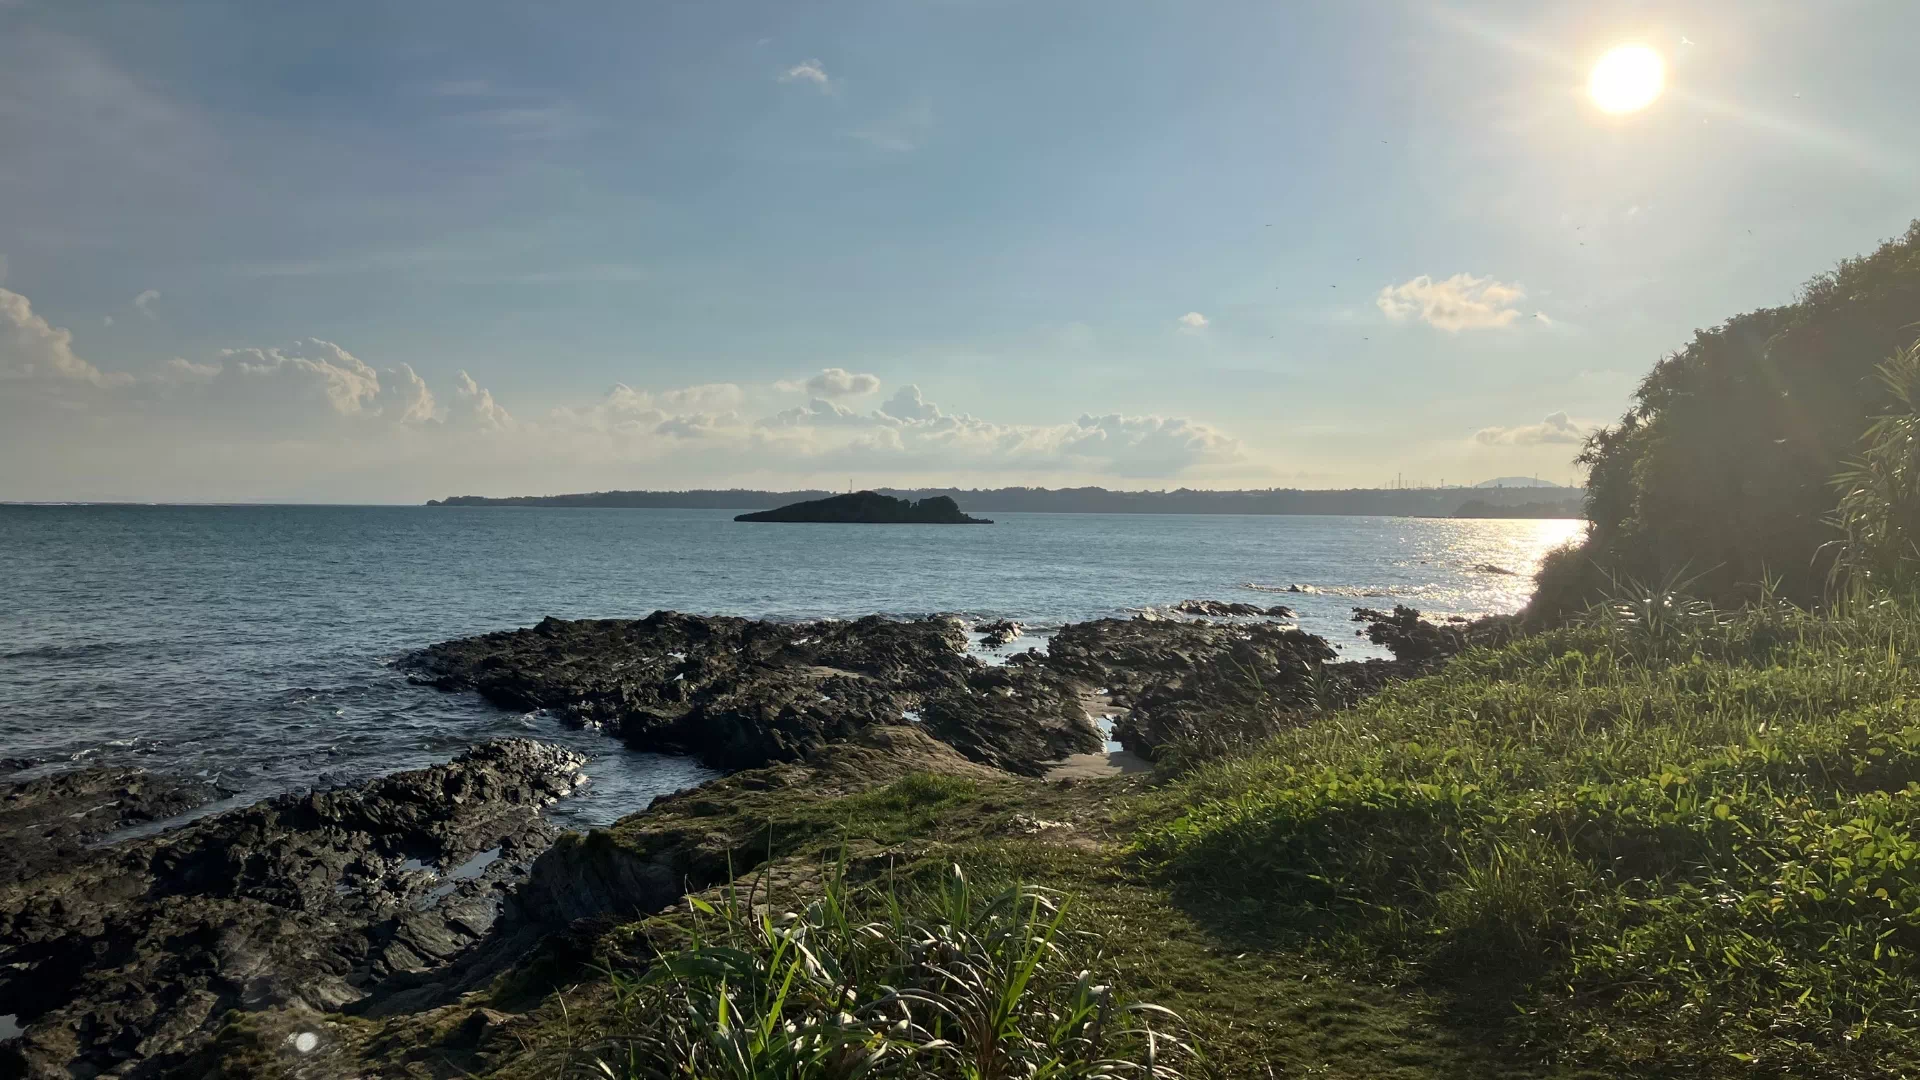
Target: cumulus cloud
1461	302
322	370
832	382
31	348
907	404
311	416
1193	320
820	413
716	397
145	301
474	404
1556	428
810	71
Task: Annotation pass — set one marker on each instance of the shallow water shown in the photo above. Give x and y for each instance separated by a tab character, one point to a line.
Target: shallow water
254	645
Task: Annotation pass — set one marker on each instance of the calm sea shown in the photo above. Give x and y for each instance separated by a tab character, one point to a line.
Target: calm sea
254	645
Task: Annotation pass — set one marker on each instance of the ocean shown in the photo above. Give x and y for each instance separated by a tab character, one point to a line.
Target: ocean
255	645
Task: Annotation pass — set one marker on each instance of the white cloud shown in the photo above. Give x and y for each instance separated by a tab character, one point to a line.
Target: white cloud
313	417
820	413
31	348
475	405
907	404
708	396
316	370
1557	428
145	301
1193	320
833	382
807	71
1461	302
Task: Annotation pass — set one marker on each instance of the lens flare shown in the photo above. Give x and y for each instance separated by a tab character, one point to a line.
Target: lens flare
1627	79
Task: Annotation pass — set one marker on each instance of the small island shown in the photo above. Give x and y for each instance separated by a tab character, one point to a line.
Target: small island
868	507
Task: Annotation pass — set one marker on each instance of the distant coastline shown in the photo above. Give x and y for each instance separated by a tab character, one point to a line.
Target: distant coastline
1388	502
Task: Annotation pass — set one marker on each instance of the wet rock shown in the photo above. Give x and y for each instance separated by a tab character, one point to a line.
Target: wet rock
998	634
49	821
740	693
1177	678
121	959
17	764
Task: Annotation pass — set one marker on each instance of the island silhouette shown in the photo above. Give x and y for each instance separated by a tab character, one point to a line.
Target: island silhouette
870	507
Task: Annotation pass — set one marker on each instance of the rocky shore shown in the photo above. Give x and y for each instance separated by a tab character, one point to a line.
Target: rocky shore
395	897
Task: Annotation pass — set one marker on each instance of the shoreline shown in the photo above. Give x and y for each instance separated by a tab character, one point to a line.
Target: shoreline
901	697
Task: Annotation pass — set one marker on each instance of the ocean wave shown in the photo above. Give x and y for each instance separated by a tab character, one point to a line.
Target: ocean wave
70	652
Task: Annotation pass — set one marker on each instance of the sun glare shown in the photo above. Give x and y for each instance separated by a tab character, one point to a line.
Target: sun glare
1627	79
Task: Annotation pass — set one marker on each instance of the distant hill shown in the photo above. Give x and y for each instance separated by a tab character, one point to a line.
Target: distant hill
869	508
1517	482
1388	502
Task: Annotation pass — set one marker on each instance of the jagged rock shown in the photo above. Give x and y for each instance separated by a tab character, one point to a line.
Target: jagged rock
999	633
1174	677
1228	608
1422	644
50	821
741	693
121	959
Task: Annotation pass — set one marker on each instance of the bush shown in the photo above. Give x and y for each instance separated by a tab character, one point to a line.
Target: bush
1723	462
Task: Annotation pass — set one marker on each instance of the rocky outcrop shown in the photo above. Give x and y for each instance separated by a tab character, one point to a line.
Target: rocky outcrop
118	960
740	693
1231	609
1422	644
995	635
1175	677
48	822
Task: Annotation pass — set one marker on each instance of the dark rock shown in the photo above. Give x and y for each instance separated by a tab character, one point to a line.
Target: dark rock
121	959
999	633
48	821
1423	644
741	694
867	507
17	764
1225	608
1175	678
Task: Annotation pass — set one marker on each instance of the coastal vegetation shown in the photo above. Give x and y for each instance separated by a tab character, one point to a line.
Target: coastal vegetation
1723	468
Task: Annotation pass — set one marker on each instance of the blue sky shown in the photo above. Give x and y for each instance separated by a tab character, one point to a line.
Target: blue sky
390	251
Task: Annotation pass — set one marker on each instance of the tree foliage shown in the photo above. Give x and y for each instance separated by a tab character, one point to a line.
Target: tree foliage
1723	467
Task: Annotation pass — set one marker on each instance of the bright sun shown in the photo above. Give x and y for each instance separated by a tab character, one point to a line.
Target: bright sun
1627	79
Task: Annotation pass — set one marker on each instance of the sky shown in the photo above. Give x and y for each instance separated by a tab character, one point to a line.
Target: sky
379	252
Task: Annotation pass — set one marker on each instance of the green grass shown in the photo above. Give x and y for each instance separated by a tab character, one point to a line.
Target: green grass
1691	851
